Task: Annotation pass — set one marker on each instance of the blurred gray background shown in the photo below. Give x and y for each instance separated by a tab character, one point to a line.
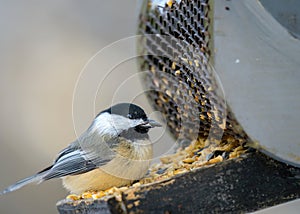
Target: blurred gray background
44	47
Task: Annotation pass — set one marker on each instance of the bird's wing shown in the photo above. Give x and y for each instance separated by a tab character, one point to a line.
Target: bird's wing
76	160
84	155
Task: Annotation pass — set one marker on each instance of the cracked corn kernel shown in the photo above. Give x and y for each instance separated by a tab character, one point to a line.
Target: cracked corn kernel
112	190
73	197
177	72
188	160
215	160
98	195
136	184
180	171
173	66
86	195
122	189
170	3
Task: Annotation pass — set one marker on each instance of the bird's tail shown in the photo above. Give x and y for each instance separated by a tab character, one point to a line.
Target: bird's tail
37	178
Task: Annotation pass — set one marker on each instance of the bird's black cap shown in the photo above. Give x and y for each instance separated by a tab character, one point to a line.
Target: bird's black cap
128	110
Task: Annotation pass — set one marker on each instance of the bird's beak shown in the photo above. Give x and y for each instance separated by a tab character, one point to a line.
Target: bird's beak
151	124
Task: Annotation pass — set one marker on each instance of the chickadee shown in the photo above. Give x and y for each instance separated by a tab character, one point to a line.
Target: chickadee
114	151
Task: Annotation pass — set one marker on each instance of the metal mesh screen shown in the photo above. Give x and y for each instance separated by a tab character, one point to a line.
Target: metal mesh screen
176	49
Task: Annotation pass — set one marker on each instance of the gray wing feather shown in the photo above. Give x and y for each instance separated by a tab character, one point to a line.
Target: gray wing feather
76	160
72	161
35	178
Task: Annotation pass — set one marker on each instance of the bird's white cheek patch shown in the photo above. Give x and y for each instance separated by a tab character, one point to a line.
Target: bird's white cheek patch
103	125
114	124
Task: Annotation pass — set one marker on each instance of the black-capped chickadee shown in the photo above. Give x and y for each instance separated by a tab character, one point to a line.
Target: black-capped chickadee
114	151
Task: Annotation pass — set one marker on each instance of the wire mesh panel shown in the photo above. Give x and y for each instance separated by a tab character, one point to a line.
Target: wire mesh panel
176	53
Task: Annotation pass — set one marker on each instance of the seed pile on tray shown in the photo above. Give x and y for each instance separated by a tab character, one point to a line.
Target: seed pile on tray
191	158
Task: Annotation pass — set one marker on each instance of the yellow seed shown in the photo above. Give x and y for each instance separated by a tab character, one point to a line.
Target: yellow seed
165	160
173	65
240	148
187	166
233	155
122	189
86	195
112	190
188	160
177	72
170	174
136	184
165	80
184	59
208	114
98	195
152	69
146	180
215	160
240	152
170	3
137	203
73	197
168	93
156	83
180	171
